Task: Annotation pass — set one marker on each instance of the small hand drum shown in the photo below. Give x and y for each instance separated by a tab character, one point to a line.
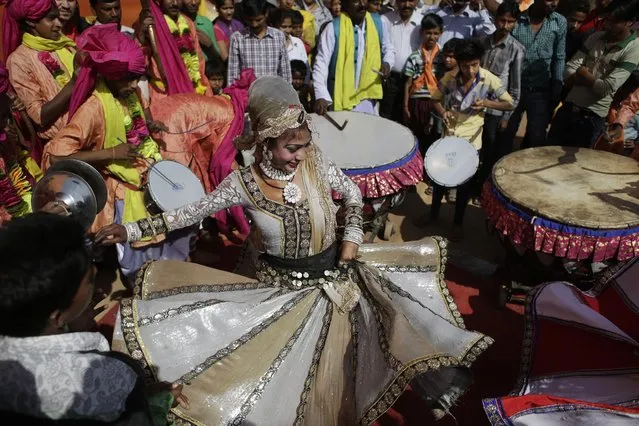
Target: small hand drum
451	161
170	186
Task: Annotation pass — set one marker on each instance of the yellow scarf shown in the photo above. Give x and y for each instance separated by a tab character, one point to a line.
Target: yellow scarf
114	117
59	46
345	96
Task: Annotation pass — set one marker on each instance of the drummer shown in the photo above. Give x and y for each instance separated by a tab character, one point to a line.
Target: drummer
463	98
108	130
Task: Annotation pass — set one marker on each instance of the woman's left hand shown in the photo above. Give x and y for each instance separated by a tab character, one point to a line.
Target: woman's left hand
349	252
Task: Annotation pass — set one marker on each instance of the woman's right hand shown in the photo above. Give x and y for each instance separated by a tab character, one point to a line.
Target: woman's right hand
111	234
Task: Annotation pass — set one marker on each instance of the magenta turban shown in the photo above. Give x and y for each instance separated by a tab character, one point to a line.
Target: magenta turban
109	54
16	11
4	79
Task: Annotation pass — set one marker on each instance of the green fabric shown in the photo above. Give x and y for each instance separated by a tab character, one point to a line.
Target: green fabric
205	24
160	404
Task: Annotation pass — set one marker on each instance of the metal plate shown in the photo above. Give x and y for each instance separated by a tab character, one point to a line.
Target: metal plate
89	174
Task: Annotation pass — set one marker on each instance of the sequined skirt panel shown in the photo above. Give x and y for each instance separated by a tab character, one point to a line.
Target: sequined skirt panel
279	351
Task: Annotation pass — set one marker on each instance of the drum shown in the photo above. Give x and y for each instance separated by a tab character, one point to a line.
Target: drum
379	155
576	209
451	161
170	185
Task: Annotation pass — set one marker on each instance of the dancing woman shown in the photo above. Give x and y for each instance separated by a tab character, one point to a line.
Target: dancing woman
321	337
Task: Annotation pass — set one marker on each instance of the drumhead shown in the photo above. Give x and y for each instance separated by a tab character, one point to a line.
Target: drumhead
367	141
451	161
574	186
187	189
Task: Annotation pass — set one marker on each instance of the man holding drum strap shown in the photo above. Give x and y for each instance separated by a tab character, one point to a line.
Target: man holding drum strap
465	95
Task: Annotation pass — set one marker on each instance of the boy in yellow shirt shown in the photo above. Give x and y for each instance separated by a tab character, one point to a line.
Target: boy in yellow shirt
463	97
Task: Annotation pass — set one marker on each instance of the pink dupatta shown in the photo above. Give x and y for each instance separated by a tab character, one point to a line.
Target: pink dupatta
222	161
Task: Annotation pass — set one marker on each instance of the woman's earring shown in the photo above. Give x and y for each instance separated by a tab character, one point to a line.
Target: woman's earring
267	154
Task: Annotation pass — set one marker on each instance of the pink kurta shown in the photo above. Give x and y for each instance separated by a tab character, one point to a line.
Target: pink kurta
157	94
35	86
201	123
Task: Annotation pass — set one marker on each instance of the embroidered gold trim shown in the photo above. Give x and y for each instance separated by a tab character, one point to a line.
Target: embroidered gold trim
233	346
312	371
396	387
169	313
296	222
252	399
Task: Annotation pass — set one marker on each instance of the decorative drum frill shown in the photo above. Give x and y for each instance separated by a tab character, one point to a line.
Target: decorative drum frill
572	203
379	155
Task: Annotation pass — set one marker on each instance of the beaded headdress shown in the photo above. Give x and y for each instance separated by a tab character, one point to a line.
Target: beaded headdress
273	108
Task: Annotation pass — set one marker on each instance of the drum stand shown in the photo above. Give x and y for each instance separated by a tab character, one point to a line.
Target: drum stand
520	273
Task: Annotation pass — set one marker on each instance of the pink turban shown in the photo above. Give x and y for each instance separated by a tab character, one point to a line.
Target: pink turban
16	11
108	53
4	79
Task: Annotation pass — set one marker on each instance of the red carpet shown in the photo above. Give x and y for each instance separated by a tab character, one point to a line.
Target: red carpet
495	371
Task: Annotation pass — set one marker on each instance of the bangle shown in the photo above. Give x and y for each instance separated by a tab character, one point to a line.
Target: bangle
113	154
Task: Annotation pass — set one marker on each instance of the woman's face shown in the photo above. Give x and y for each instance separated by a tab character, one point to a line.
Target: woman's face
67	9
49	27
287	4
291	148
227	10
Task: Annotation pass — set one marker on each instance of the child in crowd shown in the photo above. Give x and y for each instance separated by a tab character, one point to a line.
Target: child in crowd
374	6
463	97
308	32
215	71
224	25
300	72
297	29
335	8
282	20
421	81
446	62
503	56
631	135
577	12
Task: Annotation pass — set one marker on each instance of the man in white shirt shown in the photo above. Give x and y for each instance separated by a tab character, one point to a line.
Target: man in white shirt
404	28
109	12
460	21
324	73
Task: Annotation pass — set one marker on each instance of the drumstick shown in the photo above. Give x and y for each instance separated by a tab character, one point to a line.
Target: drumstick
159	173
334	123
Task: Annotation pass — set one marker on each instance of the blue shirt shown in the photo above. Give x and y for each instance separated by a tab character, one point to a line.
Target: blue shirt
466	25
545	56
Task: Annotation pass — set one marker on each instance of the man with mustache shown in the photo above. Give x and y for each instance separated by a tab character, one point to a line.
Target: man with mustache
406	35
108	12
338	63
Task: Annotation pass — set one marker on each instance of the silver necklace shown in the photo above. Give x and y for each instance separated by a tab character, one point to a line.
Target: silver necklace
291	193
